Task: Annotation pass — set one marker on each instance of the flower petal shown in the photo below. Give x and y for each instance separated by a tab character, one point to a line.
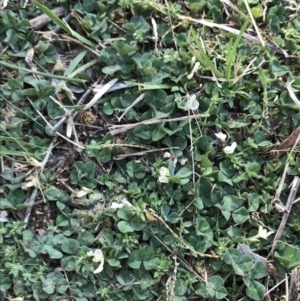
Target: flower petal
221	136
230	149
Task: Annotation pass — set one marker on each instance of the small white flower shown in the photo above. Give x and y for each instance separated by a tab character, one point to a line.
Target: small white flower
167	155
230	148
195	69
98	257
221	136
3	216
34	162
124	202
85	191
262	233
193	103
193	60
164	175
155	32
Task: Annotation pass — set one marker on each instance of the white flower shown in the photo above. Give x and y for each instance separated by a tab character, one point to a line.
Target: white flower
164	175
85	191
124	202
195	69
98	257
193	103
230	149
262	233
167	155
193	60
221	136
3	217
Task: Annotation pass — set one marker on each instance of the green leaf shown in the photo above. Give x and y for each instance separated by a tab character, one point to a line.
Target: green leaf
180	287
146	253
122	48
259	270
183	172
5	282
48	286
240	215
110	70
134	260
221	293
70	246
217	281
16	197
143	131
256	290
137	223
253	169
85	238
158	132
278	69
5	204
125	227
241	264
104	155
289	257
55	194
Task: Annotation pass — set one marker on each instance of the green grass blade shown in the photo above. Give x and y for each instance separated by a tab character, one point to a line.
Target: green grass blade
8	152
75	62
51	15
84	67
13	66
232	50
149	86
62	24
202	57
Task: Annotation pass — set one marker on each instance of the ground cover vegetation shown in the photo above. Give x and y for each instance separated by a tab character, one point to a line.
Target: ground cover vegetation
149	150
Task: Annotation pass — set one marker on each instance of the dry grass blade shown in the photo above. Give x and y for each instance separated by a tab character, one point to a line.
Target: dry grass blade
30	201
141	97
230	4
142	153
81	100
291	92
286	144
289	204
294	285
100	93
254	23
118	129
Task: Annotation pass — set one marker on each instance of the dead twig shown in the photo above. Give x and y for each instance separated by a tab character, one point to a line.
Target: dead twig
42	20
